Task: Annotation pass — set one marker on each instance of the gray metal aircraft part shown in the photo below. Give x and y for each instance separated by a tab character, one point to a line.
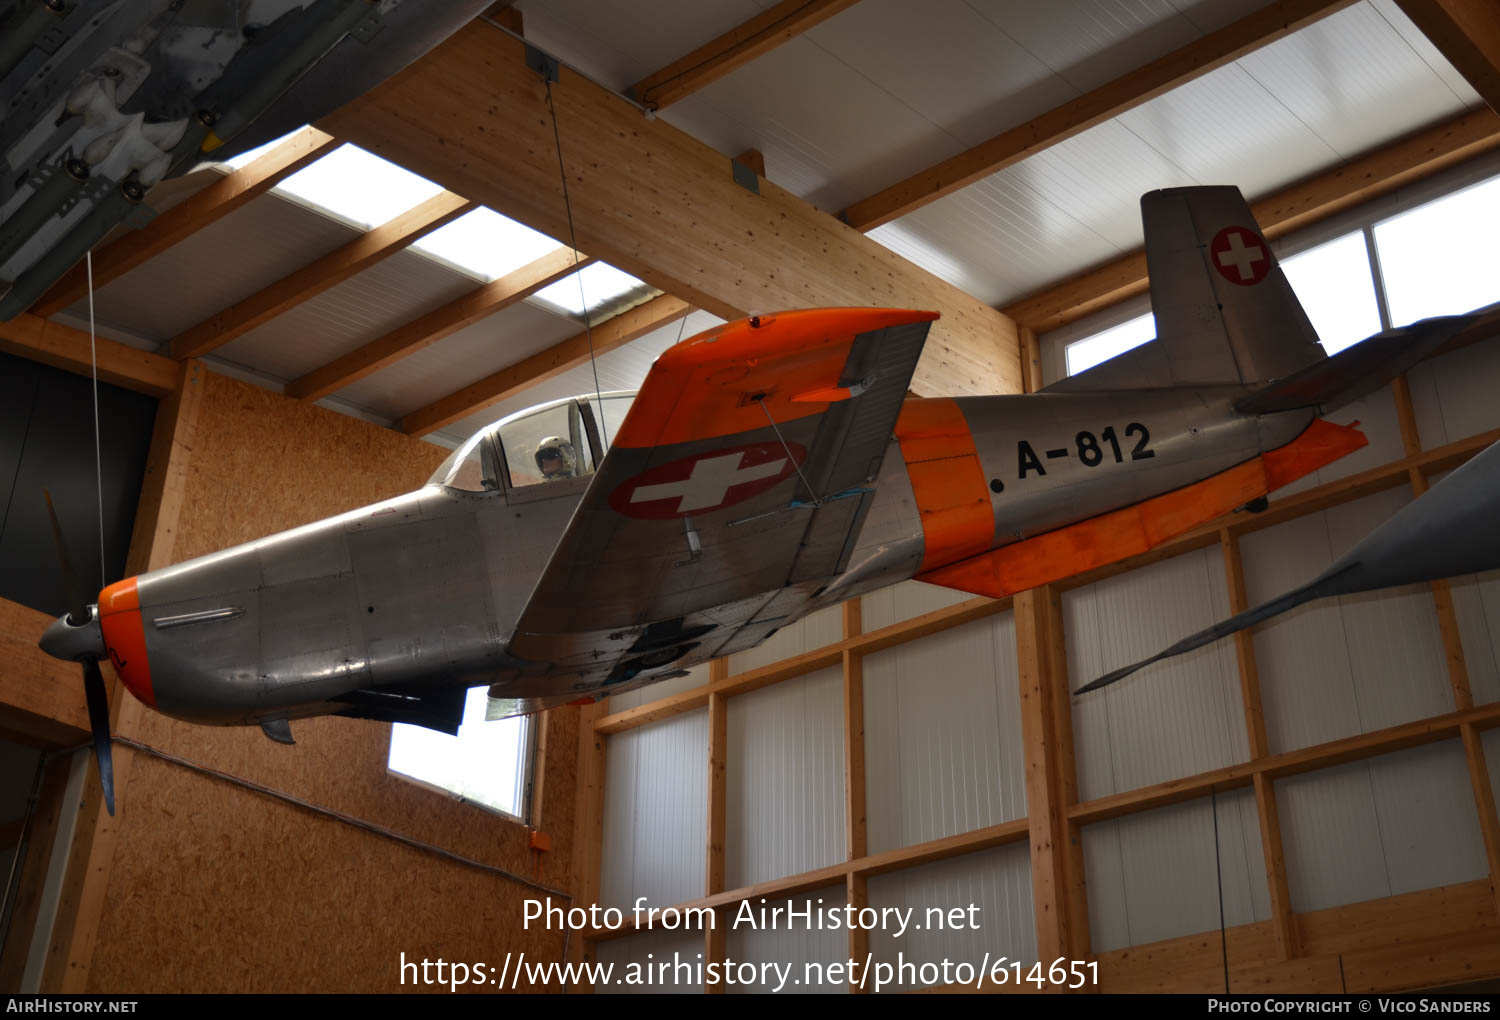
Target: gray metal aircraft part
105	99
1449	530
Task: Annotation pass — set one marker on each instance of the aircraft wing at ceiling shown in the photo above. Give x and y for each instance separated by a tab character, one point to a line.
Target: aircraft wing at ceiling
733	490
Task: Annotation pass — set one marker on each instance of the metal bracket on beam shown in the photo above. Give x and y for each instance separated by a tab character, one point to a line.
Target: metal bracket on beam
544	64
745	177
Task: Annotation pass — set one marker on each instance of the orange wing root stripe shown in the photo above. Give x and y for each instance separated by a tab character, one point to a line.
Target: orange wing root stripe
1136	529
946	480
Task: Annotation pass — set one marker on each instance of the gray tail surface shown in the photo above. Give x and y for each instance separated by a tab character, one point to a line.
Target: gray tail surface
1225	313
1224	310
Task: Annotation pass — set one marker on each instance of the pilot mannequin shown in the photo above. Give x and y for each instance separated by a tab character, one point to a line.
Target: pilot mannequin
556	459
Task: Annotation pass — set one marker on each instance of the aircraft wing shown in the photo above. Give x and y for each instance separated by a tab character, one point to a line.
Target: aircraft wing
732	491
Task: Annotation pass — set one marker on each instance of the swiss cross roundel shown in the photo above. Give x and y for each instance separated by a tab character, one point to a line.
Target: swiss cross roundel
706	482
1240	255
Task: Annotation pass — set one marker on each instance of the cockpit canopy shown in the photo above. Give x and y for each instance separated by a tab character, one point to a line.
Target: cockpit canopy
550	442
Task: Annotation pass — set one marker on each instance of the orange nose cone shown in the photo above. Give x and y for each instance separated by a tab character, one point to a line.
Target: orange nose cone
125	637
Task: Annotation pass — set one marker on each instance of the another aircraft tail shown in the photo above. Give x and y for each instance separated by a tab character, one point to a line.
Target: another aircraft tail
1224	310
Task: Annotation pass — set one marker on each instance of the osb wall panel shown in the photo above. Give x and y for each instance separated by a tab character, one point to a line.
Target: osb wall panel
218	889
215	887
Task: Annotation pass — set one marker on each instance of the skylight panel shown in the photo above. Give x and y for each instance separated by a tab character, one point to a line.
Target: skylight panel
486	244
601	283
358	186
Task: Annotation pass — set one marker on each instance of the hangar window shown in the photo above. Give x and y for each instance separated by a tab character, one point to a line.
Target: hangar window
1439	258
488	763
1337	290
1092	350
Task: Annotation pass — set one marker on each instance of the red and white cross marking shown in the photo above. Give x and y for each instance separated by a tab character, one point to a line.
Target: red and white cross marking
706	482
1240	256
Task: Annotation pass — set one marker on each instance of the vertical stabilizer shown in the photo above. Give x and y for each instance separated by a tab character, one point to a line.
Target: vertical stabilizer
1224	310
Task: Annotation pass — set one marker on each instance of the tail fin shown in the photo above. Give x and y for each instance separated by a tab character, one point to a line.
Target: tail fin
1224	310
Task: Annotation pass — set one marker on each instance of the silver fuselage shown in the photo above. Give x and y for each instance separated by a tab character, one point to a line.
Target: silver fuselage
424	590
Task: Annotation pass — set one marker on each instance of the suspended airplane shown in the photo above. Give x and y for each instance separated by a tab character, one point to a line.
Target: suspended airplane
1447	531
104	98
766	468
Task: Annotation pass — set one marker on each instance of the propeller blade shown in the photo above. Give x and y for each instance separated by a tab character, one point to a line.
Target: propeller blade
77	607
98	699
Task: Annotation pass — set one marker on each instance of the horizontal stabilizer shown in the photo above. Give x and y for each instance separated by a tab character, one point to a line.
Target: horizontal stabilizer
1355	371
1447	532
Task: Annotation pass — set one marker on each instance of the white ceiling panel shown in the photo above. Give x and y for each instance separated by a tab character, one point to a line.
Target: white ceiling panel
1356	61
946	61
1223	128
1090	42
368	305
1422	47
803	107
268	237
1338	88
621	43
465	357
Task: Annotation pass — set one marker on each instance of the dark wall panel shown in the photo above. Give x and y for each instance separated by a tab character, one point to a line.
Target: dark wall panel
47	441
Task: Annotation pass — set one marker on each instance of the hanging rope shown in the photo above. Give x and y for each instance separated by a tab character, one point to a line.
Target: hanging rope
1213	802
583	301
88	261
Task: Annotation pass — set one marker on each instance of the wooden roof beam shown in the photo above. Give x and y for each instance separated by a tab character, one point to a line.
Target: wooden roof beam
441	322
606	336
67	348
654	202
1103	103
187	217
732	50
321	274
1468	34
1366	177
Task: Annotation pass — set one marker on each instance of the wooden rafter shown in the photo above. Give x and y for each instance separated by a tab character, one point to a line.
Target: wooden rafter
428	329
187	217
1416	156
67	348
654	202
735	48
319	275
576	350
1468	34
1103	103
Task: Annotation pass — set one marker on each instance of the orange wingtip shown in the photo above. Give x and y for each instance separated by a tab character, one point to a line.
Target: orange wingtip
1133	530
725	380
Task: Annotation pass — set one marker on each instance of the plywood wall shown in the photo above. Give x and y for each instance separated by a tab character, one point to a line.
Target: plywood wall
217	888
